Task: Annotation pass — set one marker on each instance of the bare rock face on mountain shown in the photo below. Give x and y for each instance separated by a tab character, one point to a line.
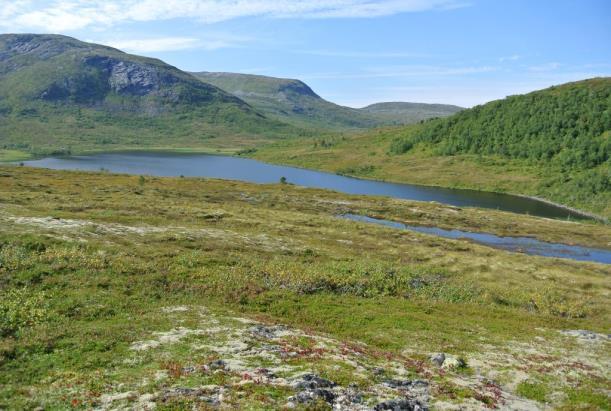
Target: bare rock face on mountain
57	68
130	78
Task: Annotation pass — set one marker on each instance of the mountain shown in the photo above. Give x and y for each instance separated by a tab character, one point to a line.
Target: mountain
405	113
295	102
56	91
289	100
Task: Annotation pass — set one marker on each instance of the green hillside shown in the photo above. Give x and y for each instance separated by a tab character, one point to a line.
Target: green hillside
295	102
567	128
57	92
552	144
568	124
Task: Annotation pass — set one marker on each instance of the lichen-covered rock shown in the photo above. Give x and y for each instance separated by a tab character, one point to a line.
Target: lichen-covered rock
438	358
312	381
447	361
587	335
452	362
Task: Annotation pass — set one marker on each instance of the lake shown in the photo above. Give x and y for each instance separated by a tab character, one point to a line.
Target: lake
244	169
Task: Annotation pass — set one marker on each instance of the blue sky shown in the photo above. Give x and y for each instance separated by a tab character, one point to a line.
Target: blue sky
352	52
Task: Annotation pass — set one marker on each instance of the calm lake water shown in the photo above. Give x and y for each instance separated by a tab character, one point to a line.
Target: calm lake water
236	168
515	244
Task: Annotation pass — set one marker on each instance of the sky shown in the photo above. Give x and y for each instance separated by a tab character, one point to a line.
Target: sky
351	52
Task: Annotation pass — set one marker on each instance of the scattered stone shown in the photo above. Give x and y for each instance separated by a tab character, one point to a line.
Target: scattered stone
378	371
401	404
270	332
349	396
312	381
447	361
452	362
313	388
312	395
397	383
586	335
189	369
217	365
438	358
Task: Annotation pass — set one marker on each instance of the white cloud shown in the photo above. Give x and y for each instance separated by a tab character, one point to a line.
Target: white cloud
159	44
70	15
151	45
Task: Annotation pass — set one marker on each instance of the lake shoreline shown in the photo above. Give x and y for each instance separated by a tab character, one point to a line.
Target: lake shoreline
577	213
583	213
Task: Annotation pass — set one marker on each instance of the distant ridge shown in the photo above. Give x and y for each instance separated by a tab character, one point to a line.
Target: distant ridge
295	102
412	112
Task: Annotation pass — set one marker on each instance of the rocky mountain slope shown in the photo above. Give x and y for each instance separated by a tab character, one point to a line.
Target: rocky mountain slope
52	85
295	102
59	69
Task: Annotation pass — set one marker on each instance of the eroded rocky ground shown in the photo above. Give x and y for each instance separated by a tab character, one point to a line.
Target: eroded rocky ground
234	362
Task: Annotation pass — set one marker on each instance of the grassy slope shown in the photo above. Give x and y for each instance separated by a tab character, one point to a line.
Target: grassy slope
563	178
118	248
294	102
59	97
406	113
78	130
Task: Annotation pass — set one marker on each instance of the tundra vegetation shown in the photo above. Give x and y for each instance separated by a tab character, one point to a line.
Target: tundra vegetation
127	291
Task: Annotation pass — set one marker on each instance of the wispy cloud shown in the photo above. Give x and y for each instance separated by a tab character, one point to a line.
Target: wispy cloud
362	54
151	45
159	44
70	15
545	67
513	57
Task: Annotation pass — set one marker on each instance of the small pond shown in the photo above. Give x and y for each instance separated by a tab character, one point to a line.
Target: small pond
524	245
